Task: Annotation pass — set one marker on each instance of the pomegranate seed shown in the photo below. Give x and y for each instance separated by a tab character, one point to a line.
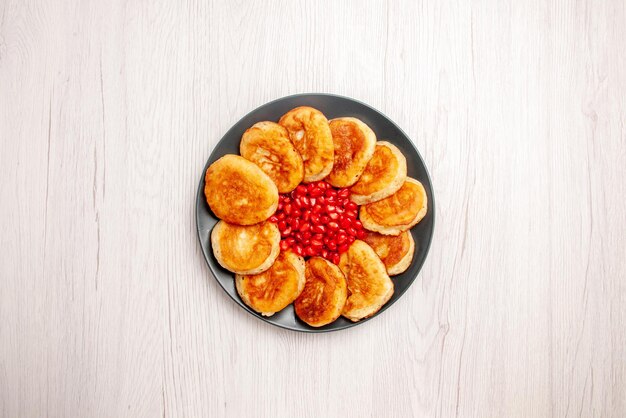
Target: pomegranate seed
321	200
324	253
335	258
318	229
305	201
357	224
281	216
297	249
333	225
316	243
351	239
290	241
309	251
351	232
315	218
306	215
273	218
287	209
343	193
305	227
298	236
323	185
330	192
317	208
312	201
306	235
332	245
284	245
287	200
297	202
330	208
342	238
333	216
351	206
282	225
296	213
345	223
324	219
319	237
295	223
301	190
343	248
280	205
316	192
351	214
361	234
286	231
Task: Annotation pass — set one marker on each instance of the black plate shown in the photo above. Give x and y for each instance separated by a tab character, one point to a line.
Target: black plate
333	107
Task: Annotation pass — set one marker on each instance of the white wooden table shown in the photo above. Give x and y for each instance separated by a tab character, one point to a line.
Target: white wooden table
109	110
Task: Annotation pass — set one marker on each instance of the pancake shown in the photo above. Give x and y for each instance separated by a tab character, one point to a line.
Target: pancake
267	145
245	249
396	252
239	192
398	212
310	134
271	291
354	144
369	286
383	176
324	295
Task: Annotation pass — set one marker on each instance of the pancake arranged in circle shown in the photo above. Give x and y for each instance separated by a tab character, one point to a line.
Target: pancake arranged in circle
398	212
275	288
267	145
354	144
310	134
369	285
248	249
396	252
324	295
239	192
383	176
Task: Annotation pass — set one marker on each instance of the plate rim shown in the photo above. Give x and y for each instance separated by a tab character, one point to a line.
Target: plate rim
431	209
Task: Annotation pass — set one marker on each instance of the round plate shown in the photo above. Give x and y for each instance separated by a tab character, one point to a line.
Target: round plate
333	107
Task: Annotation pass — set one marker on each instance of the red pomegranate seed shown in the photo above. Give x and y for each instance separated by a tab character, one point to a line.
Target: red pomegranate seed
286	231
324	253
282	225
343	248
287	209
284	245
305	201
318	229
309	251
333	216
351	239
298	236
351	206
330	192
295	223
306	215
324	219
273	218
297	249
357	224
305	227
296	213
280	205
281	216
333	225
351	214
316	243
361	234
332	245
315	218
351	231
317	208
343	193
290	241
345	223
331	209
301	190
335	258
321	200
305	235
312	201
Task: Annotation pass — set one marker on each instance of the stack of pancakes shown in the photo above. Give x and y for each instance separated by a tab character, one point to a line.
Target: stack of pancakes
305	147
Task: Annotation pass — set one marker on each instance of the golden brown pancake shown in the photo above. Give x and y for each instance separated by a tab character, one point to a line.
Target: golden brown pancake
396	252
239	192
310	134
354	144
267	145
324	294
398	212
271	291
369	286
383	176
245	249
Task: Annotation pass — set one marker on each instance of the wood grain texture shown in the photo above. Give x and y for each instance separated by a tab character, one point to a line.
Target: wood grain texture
108	111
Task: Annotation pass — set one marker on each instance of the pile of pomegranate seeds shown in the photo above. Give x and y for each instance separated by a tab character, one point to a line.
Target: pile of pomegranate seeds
318	220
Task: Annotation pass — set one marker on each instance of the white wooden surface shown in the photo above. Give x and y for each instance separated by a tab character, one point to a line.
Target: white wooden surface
109	109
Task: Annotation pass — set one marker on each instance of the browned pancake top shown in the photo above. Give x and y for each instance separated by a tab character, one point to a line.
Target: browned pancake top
398	209
379	172
390	249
